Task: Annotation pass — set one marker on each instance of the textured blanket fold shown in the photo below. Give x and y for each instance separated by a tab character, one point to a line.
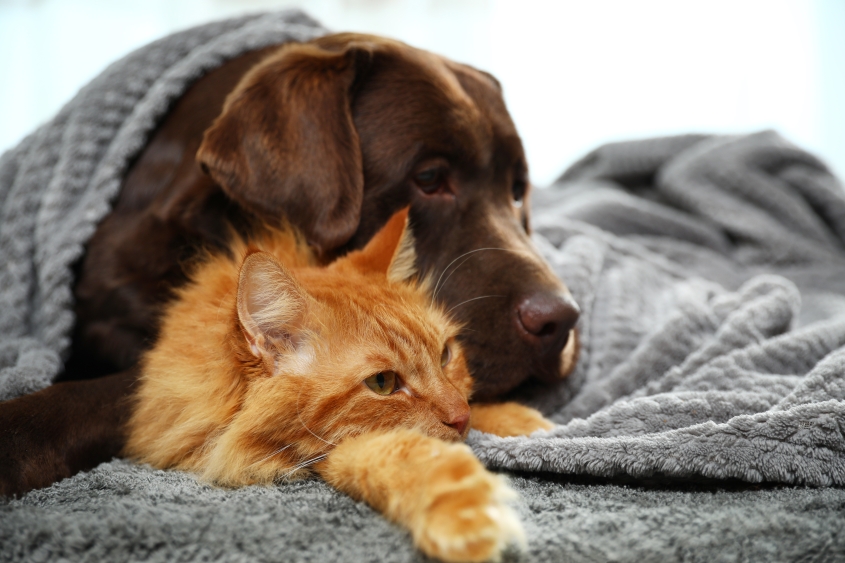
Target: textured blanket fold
710	272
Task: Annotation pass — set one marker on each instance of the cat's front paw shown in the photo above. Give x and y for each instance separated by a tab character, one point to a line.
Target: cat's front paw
467	517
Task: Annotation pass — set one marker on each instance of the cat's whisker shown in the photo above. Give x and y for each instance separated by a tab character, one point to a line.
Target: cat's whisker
298	416
280	450
468	300
304	464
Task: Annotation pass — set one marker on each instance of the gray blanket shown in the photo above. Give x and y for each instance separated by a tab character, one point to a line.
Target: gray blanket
710	275
696	359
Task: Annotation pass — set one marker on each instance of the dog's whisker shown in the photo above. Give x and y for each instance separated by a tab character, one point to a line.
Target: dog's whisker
468	300
449	265
455	269
438	287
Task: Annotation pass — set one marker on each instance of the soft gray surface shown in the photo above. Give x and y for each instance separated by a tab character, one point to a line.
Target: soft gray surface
58	183
121	512
680	375
697	361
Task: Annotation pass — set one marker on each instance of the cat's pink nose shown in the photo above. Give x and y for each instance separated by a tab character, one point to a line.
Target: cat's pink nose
459	422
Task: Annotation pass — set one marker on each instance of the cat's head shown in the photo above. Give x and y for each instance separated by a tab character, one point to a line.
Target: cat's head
353	347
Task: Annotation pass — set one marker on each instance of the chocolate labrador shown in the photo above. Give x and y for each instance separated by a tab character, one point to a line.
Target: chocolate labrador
334	135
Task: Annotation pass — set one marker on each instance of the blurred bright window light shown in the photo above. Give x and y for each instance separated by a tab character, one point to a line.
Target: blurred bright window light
575	74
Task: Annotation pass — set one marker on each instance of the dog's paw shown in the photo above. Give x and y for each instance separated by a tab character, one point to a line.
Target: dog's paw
508	419
467	517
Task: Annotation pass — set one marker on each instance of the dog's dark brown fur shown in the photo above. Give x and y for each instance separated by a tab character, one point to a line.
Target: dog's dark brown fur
335	135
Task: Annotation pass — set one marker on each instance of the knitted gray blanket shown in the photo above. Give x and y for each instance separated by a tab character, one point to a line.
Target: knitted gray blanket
697	359
711	276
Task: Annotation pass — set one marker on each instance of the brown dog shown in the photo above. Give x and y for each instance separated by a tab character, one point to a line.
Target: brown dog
335	135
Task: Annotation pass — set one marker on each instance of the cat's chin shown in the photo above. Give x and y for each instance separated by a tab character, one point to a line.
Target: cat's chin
445	434
455	436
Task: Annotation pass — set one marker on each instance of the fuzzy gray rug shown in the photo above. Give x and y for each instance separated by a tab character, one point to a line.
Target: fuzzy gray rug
697	360
711	276
120	512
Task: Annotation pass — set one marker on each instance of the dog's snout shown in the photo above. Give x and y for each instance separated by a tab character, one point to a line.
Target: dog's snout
547	318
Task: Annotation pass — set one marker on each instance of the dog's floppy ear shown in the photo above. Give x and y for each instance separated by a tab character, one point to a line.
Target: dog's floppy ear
285	144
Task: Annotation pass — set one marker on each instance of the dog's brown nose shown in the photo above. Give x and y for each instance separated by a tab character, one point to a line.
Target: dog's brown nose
547	318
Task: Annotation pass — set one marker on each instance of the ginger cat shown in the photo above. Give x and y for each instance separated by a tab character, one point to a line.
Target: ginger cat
269	367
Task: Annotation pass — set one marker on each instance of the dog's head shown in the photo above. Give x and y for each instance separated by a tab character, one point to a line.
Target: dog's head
339	133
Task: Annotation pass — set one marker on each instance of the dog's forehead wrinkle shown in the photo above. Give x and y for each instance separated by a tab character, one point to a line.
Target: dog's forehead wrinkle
438	71
442	111
455	90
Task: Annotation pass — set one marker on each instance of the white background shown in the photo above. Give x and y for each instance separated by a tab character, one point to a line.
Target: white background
575	74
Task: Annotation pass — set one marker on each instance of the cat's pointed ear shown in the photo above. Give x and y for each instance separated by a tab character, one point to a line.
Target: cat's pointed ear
391	251
271	307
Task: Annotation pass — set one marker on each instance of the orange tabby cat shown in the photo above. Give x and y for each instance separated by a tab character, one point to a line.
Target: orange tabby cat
268	367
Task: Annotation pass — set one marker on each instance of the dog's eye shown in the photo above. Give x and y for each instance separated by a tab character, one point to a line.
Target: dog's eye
429	180
383	383
519	188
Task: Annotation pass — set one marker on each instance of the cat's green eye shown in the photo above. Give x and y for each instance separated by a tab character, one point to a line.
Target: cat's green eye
383	383
446	356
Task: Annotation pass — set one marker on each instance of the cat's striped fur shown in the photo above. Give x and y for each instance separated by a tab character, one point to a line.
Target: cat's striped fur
260	375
